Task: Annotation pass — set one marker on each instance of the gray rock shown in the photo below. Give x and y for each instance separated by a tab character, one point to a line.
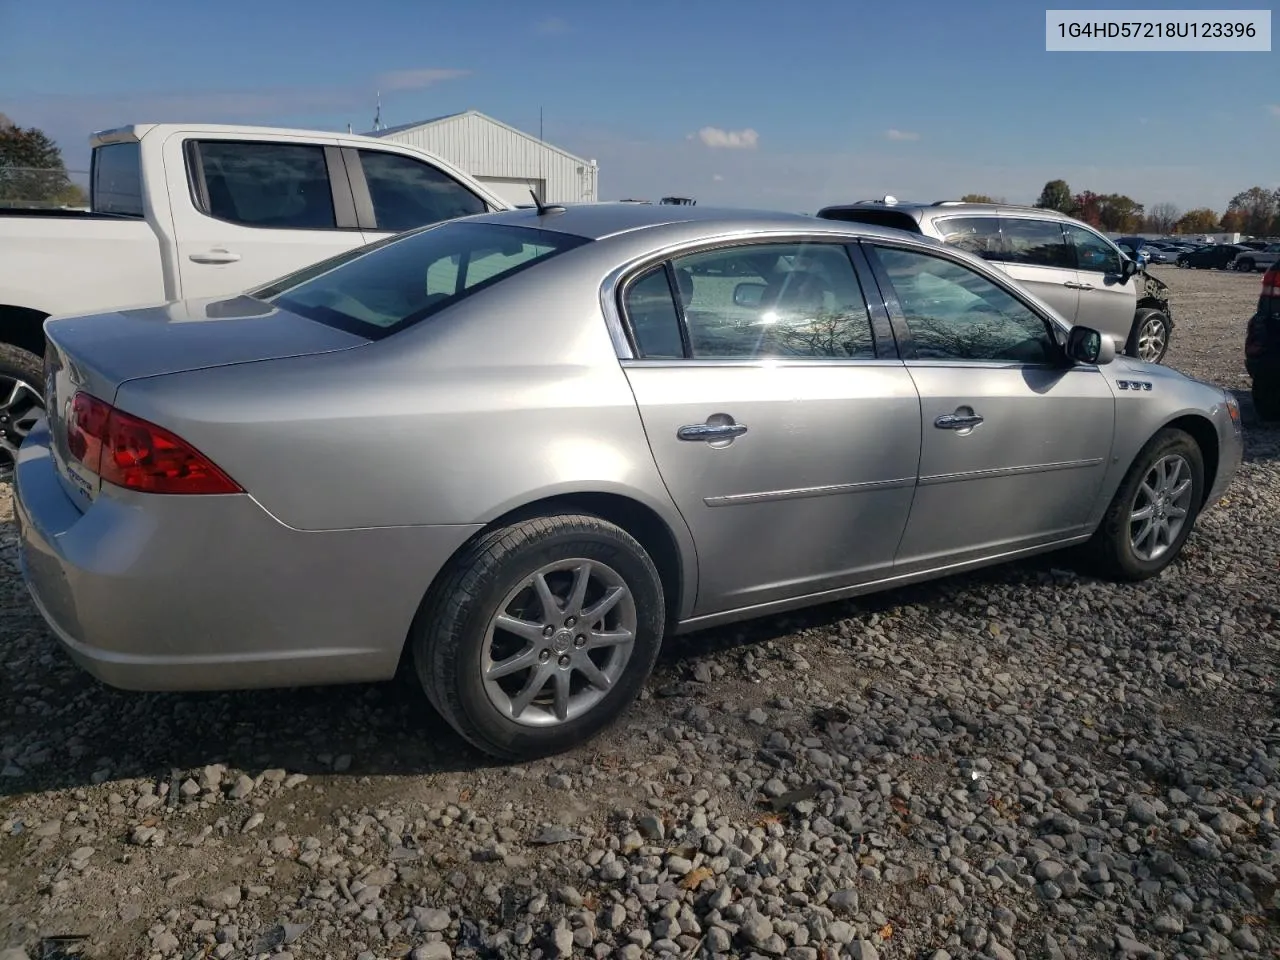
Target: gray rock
432	951
863	950
844	901
225	899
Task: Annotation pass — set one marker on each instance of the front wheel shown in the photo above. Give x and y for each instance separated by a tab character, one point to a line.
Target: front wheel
1149	339
540	634
21	402
1151	515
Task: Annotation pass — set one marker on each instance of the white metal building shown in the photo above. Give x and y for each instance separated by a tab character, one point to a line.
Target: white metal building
508	161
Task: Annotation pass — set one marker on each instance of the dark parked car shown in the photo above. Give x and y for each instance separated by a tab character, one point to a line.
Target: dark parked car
1217	256
1262	348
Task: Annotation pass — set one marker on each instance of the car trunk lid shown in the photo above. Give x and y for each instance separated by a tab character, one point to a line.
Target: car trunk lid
96	354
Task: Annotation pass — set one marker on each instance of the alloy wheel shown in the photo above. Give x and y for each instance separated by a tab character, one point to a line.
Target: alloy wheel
20	407
559	642
1161	507
1151	340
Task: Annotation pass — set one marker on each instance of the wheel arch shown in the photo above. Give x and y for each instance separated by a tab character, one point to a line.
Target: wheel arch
1205	435
23	327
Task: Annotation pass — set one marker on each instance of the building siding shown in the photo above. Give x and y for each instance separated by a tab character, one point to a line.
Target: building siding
484	148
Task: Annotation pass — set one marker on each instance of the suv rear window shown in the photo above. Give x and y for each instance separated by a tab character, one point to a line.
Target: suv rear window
876	217
379	289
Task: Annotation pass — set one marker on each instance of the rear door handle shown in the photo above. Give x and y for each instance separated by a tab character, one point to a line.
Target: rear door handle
215	256
1084	286
1071	285
957	421
708	432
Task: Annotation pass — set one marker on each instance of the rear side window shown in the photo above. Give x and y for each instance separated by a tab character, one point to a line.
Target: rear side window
979	235
385	287
278	185
408	193
654	321
1036	243
117	179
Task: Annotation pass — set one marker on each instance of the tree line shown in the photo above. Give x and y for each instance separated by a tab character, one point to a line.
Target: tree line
31	169
1255	211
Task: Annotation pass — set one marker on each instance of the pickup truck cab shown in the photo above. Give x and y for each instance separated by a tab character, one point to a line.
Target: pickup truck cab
181	211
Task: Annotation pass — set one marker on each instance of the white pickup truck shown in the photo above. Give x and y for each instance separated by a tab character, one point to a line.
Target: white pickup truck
202	210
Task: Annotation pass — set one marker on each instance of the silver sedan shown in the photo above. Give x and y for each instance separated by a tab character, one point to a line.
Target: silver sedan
513	452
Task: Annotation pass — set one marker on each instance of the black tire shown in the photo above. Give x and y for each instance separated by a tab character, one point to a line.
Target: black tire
17	366
1247	265
1110	551
1266	398
448	635
1140	320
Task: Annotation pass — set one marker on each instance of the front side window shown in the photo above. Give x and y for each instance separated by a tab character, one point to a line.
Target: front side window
388	286
117	179
955	313
408	193
796	300
979	235
1035	243
279	185
1092	253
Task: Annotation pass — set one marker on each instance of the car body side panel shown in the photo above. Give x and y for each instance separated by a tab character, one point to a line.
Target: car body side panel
245	601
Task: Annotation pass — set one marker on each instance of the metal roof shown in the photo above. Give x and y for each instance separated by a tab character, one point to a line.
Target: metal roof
431	121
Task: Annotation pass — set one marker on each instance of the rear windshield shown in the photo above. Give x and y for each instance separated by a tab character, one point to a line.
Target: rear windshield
879	218
379	289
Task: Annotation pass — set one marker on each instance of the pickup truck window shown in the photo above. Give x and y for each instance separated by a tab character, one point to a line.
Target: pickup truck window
284	186
116	185
408	193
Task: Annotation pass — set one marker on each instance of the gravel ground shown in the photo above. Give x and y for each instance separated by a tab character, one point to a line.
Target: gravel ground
1023	762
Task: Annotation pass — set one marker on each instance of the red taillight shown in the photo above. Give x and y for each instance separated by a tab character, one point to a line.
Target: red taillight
1271	282
137	455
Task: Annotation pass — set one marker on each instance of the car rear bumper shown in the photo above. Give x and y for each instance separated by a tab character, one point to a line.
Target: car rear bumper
152	592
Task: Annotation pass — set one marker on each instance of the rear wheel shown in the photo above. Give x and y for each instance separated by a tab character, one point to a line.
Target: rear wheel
1151	515
21	402
540	634
1247	265
1149	338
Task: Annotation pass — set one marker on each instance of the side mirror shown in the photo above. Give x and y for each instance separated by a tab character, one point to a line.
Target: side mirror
748	294
1086	345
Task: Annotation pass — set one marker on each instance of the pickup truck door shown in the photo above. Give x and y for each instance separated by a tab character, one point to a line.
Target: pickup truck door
248	211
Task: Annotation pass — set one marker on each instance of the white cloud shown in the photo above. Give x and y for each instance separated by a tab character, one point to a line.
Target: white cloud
417	78
716	138
552	26
716	177
901	135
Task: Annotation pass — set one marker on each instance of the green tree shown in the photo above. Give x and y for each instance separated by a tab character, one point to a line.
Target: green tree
1256	209
1200	220
977	198
31	169
1056	195
1119	213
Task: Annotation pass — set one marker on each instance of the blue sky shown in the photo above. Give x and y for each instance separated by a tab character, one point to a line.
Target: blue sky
819	102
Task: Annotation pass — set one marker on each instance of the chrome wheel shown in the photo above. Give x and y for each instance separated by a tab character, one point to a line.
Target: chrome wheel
559	642
1160	508
20	407
1151	339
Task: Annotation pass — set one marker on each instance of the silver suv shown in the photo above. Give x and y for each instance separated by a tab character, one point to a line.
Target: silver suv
1066	263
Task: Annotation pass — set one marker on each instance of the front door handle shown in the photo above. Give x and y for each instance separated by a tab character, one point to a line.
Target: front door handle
1084	286
957	421
1071	285
214	256
711	432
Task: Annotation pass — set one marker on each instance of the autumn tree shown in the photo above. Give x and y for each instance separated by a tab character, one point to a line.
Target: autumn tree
1162	216
1056	195
1199	220
1233	221
31	169
1086	206
1257	207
